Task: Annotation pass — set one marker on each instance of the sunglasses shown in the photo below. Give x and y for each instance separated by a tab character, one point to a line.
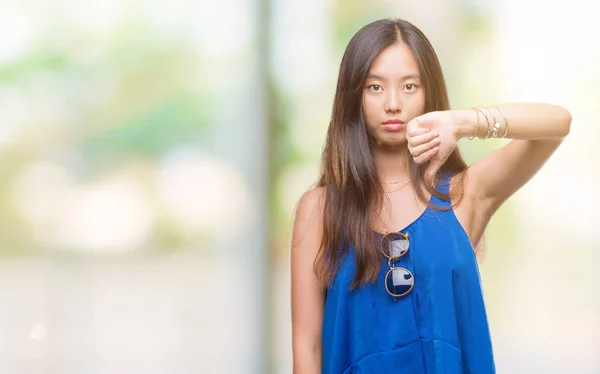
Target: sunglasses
398	281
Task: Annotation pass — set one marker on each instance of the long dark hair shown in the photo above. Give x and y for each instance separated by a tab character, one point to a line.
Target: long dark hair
352	186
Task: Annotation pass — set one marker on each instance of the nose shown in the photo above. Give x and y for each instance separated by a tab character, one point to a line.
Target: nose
392	102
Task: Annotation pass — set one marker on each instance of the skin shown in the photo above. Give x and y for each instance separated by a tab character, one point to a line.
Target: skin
536	129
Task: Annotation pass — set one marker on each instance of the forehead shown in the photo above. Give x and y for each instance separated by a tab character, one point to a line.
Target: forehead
395	61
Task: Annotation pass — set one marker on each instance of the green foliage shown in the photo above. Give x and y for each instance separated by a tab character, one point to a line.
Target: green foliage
156	130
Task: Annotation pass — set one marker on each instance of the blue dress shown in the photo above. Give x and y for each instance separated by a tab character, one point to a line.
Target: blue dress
440	326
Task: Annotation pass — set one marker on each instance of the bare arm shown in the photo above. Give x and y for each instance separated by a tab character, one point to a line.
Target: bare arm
307	292
537	130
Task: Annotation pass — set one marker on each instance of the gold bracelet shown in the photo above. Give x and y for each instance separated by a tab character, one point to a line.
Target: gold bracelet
505	122
496	126
476	126
486	121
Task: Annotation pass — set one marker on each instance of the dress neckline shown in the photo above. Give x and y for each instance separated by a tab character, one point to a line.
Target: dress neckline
414	222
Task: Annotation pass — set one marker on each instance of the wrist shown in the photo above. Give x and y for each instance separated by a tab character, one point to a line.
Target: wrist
465	123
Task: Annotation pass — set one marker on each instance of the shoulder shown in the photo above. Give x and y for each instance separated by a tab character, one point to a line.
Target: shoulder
308	215
311	200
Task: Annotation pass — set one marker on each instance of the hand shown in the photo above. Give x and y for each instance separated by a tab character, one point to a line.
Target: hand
432	137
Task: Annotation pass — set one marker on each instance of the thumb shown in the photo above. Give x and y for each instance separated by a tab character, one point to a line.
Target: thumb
412	127
432	169
426	120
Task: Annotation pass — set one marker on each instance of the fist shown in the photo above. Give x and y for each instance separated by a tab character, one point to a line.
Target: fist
432	137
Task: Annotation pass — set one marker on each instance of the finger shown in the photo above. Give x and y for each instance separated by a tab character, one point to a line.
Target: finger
420	149
415	131
432	170
412	125
422	139
426	156
418	132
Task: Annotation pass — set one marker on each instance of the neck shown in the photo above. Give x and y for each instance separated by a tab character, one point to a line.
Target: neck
392	163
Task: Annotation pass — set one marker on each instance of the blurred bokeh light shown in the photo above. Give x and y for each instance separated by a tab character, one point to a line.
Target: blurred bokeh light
152	153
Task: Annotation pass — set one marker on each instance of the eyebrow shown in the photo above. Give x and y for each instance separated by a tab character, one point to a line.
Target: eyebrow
406	77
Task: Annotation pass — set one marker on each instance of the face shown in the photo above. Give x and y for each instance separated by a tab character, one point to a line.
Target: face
392	94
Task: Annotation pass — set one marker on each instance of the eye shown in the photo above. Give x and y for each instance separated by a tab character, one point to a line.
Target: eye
411	87
375	88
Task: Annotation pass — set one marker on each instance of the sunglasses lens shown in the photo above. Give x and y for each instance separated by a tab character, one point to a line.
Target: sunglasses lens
394	245
399	281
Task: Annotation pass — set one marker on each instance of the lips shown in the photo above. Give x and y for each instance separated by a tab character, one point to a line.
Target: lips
393	121
393	125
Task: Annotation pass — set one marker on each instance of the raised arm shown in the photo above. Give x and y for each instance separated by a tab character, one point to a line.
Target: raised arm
537	130
308	295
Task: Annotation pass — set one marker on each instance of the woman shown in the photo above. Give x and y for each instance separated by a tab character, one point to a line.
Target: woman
384	273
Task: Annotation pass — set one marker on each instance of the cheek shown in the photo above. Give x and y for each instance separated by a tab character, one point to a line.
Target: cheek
421	103
369	109
414	106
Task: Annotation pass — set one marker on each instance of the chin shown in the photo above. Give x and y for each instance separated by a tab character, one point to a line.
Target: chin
391	142
397	138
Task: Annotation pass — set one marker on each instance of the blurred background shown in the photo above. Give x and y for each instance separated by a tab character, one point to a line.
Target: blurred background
152	153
